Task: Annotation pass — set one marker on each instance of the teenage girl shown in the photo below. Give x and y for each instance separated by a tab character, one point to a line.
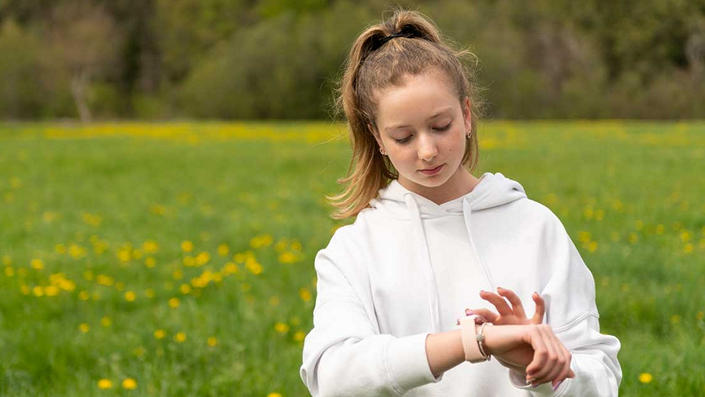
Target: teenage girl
400	292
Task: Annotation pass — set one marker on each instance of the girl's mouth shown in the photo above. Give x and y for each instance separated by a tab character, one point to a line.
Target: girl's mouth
432	171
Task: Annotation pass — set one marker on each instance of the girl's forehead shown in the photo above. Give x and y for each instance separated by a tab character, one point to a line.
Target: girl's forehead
419	97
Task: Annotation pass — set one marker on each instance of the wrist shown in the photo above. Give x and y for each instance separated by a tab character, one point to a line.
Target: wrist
472	336
501	338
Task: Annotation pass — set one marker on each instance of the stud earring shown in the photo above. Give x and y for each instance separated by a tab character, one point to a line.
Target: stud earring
382	151
467	135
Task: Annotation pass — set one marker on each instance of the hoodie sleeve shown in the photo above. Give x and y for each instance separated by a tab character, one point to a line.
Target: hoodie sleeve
573	315
344	354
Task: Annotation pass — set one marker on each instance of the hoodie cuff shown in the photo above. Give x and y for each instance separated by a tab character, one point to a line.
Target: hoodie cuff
407	364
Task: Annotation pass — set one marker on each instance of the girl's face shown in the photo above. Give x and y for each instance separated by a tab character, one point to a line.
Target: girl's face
422	128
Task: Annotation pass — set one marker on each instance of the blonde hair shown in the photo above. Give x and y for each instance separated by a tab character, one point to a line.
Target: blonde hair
374	64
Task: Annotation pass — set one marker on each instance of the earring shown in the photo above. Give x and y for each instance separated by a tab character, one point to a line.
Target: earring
382	151
467	135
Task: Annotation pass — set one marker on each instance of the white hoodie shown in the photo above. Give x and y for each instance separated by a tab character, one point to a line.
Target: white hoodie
408	267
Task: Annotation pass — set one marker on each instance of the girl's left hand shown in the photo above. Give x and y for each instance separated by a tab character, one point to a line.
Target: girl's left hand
514	315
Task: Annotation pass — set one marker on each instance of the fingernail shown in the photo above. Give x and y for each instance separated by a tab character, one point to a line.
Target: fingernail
556	386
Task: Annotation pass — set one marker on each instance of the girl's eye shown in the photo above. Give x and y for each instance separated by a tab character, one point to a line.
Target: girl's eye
403	140
443	128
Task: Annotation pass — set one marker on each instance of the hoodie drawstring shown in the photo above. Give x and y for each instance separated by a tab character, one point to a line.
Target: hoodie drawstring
433	299
424	253
467	213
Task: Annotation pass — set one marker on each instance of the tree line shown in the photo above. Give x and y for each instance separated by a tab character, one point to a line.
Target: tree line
280	59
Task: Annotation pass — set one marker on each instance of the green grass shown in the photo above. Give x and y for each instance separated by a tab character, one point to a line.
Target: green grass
630	195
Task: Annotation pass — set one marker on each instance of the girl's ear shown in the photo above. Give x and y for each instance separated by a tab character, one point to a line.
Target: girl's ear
467	113
376	135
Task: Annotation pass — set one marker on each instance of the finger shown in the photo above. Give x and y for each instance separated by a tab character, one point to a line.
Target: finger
497	301
514	300
548	366
486	314
540	354
558	362
540	308
565	373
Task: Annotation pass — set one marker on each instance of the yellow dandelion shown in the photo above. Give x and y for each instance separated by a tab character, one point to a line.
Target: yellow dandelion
83	327
202	258
6	260
76	251
685	236
688	248
105	280
223	249
106	321
189	261
150	247
288	257
299	336
212	341
260	241
675	319
25	289
274	394
130	296
700	316
84	295
51	290
159	334
124	254
149	293
129	384
149	262
37	264
186	246
305	294
592	246
177	274
253	266
274	300
230	268
185	289
645	377
174	303
105	384
60	248
180	337
282	328
295	245
9	271
38	291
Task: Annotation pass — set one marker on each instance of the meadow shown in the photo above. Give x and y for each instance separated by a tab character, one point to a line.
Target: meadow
176	259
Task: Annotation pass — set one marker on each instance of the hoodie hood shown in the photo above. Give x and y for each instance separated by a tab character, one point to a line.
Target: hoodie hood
491	191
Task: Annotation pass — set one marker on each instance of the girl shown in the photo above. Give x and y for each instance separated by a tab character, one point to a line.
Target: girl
430	241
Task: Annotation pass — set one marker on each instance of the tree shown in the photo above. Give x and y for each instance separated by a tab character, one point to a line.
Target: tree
85	42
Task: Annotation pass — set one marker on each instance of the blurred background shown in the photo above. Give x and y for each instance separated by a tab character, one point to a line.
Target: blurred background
164	166
278	59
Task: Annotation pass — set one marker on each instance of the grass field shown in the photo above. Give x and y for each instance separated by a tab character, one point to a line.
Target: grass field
177	259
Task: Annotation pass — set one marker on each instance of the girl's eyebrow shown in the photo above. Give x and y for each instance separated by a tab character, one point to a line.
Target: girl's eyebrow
439	113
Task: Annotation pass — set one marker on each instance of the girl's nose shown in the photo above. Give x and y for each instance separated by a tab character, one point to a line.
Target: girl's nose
427	149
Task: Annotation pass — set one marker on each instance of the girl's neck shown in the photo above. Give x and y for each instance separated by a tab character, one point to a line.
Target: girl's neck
459	184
